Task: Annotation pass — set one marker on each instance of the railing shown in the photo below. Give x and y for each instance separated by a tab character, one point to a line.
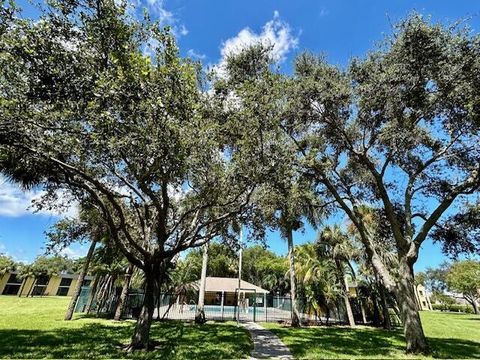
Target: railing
218	306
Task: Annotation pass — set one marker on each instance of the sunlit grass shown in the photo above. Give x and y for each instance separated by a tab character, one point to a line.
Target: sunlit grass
450	335
34	328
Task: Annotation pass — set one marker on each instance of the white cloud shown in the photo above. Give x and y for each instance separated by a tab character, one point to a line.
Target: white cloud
74	252
193	54
276	33
183	30
15	202
158	11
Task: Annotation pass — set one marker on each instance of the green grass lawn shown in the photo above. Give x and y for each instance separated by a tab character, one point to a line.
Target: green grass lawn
34	328
450	335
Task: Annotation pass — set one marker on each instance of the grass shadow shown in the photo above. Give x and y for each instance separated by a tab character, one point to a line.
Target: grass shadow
339	340
93	340
448	348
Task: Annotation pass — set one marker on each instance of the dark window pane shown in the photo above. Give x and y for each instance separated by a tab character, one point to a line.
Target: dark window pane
86	282
14	279
11	289
38	290
65	282
62	291
43	280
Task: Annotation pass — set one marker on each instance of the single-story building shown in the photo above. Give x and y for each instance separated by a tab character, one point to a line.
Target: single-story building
223	291
58	285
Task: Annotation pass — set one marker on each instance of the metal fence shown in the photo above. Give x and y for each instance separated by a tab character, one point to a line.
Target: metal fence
218	306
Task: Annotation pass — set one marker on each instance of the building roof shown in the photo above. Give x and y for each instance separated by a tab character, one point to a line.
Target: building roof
216	284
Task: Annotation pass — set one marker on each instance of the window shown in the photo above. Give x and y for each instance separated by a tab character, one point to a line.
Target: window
86	283
14	279
40	285
13	285
64	287
420	292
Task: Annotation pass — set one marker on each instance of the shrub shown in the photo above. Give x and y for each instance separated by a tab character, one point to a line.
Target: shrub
453	308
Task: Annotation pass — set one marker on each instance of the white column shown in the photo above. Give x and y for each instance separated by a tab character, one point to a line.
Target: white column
265	305
222	302
203	279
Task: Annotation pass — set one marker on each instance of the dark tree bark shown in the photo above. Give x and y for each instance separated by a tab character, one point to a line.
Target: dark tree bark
387	324
123	294
412	323
141	335
78	286
472	302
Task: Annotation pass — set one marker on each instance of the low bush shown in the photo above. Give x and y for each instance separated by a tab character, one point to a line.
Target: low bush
453	308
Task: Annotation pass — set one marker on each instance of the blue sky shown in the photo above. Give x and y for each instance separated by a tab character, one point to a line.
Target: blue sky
207	30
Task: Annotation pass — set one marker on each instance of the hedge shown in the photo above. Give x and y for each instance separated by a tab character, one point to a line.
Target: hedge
453	308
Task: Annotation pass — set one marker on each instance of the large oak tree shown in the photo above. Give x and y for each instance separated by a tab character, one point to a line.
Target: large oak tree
86	110
398	130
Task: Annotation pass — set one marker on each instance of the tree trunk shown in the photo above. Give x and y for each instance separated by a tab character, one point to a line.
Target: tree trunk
123	294
293	287
362	310
360	304
92	294
412	325
346	290
475	307
376	311
471	301
200	315
387	323
141	334
78	286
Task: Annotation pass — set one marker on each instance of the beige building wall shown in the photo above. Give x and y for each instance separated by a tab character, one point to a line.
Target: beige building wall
71	290
50	290
26	286
422	298
52	286
3	281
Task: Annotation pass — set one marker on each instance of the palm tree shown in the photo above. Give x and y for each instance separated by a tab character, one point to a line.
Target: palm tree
384	246
336	244
317	276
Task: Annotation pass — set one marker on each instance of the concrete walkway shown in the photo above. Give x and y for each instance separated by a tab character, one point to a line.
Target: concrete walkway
266	345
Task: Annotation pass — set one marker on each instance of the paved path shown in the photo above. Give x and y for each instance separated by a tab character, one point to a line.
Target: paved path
266	345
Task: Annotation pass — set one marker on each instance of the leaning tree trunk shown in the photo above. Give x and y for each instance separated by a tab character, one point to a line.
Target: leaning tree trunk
472	302
346	290
293	288
141	334
78	286
412	325
123	294
360	304
200	315
92	294
387	323
475	307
